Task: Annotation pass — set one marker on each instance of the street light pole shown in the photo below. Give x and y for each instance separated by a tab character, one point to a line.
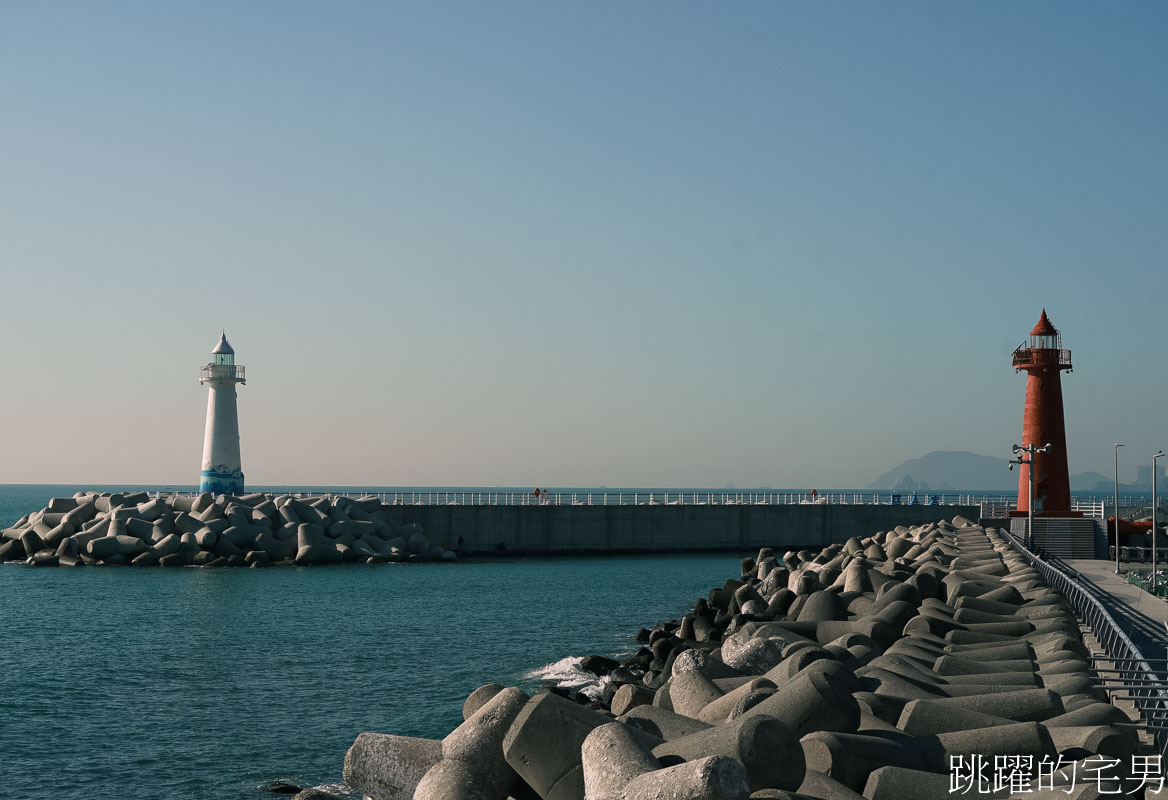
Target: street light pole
1030	505
1155	457
1029	449
1116	531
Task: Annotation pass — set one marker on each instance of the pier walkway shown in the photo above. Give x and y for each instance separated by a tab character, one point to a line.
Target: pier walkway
1125	630
1141	615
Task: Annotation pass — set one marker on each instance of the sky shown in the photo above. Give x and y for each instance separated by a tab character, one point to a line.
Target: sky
668	244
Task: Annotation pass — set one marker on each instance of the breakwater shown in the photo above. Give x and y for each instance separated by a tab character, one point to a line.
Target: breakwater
261	529
887	666
745	527
254	530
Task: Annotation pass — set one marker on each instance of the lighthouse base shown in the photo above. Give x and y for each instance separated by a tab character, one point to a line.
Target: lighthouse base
221	481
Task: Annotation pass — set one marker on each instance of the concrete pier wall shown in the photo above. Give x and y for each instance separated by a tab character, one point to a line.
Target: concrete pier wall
658	528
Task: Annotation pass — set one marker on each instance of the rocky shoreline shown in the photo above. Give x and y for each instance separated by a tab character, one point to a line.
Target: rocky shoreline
255	530
865	670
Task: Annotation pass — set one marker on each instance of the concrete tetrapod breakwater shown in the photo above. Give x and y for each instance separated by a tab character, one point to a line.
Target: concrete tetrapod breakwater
900	666
254	530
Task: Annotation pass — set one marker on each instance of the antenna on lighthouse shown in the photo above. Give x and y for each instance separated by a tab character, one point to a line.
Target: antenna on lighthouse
222	471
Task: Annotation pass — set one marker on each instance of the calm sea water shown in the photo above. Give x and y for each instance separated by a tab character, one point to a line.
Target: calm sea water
193	683
189	683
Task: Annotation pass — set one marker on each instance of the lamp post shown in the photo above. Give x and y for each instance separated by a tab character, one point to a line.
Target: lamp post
1030	450
1116	531
1159	454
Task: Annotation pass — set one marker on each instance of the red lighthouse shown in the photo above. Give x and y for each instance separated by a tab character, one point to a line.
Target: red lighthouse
1044	360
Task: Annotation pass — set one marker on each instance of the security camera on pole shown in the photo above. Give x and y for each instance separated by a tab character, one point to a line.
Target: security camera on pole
1020	460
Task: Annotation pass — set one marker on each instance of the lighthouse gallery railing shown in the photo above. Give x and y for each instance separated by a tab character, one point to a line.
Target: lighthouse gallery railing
221	372
1024	355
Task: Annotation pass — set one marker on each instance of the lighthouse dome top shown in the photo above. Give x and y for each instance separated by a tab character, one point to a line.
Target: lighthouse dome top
1043	328
1045	336
224	346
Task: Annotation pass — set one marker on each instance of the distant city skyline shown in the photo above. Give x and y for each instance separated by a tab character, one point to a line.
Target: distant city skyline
660	244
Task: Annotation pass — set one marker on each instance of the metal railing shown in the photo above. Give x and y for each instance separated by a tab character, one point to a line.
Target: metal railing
993	506
1024	356
1001	508
1144	686
221	372
623	498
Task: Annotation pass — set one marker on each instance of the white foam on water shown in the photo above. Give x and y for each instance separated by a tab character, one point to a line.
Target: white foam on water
566	674
340	789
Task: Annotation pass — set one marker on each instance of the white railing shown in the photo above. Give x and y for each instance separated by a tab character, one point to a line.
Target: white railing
1087	506
992	505
653	498
688	498
221	372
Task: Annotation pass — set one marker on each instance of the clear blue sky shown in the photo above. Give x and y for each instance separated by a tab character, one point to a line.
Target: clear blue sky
672	244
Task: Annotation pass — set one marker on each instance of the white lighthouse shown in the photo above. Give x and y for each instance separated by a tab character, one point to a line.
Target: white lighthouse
222	470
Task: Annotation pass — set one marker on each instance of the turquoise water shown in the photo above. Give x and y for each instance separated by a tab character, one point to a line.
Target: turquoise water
195	683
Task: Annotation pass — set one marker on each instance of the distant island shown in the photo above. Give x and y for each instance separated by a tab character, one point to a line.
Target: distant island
948	470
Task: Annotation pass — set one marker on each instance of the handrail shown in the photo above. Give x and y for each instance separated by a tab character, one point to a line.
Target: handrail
994	504
1139	678
1024	354
222	372
623	498
998	509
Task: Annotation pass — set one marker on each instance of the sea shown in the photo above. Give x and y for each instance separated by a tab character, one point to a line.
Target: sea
193	684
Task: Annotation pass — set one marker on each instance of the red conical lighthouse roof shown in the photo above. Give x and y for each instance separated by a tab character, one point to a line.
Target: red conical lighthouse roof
1044	328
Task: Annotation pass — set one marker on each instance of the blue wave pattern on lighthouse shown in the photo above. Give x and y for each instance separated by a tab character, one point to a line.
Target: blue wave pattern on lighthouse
222	469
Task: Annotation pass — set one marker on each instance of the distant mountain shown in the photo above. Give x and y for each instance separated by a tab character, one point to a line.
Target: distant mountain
956	468
1093	481
962	470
